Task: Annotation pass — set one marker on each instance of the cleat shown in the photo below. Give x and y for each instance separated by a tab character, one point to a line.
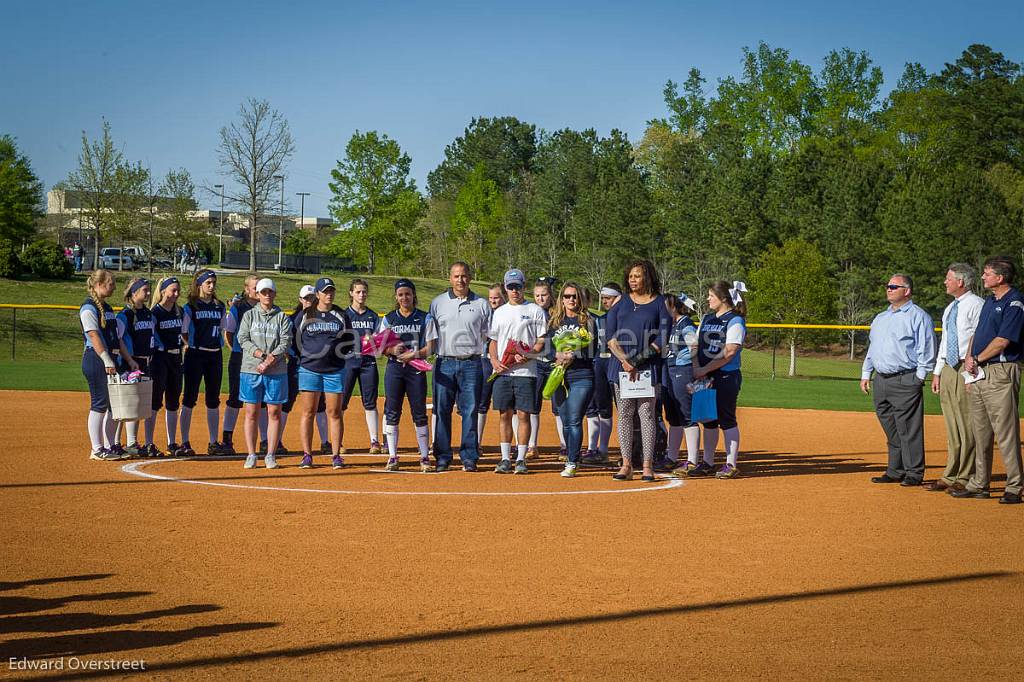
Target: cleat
425	465
504	467
569	471
173	449
263	447
270	462
441	468
307	461
728	471
684	469
392	464
104	455
186	450
326	449
596	459
282	450
702	470
337	462
666	465
521	467
135	450
250	462
153	451
531	453
217	449
375	448
119	451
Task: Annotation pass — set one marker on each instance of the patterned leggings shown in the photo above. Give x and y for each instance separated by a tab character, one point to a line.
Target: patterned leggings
648	427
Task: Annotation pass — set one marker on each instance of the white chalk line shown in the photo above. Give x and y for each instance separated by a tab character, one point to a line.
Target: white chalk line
135	469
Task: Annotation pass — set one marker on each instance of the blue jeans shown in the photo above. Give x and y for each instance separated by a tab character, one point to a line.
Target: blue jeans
456	381
571	405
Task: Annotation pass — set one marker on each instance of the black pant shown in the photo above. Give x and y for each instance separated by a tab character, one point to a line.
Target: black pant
167	375
727	391
234	380
206	366
401	381
369	381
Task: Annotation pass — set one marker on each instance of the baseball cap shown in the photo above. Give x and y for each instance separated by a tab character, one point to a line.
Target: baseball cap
404	282
306	290
515	276
323	284
265	283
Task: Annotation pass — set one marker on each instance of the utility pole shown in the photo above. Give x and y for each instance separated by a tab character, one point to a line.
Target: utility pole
220	236
280	226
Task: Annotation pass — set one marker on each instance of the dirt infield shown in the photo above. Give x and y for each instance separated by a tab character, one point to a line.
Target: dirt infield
800	569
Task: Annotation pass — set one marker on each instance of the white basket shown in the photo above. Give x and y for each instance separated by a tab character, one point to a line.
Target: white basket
130	402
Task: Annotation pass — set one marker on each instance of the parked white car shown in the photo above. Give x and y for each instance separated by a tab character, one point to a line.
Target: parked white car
113	259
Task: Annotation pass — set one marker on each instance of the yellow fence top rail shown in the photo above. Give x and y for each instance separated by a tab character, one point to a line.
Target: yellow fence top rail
37	306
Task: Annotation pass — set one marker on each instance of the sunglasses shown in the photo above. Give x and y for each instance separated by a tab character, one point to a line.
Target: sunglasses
894	287
570	296
513	287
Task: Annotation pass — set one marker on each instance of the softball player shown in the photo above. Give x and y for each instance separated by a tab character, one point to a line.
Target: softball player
167	369
307	298
599	414
719	345
238	308
682	342
400	380
543	296
103	346
363	368
265	335
137	320
325	340
204	360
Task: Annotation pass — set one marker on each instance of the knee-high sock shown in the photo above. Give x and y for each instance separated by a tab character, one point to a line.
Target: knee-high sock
186	424
732	444
675	439
284	422
433	425
321	427
117	432
171	422
109	430
606	434
263	425
391	435
515	427
423	440
710	443
95	426
372	420
558	428
213	422
230	418
131	430
481	422
534	429
692	434
150	426
593	432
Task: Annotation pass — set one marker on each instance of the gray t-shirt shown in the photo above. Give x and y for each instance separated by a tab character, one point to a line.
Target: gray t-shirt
458	325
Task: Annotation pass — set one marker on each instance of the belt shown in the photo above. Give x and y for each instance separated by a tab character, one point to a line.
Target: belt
208	350
895	374
147	358
463	358
996	362
173	351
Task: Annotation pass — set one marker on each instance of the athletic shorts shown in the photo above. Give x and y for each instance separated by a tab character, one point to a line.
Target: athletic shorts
515	393
269	389
332	382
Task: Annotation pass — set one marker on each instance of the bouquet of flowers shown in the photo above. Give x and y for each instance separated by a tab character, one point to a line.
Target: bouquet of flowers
572	340
377	344
508	357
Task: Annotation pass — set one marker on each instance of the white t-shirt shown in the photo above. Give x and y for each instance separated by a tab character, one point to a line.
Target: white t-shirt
526	323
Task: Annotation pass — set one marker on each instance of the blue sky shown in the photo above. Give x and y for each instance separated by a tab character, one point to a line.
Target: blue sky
168	79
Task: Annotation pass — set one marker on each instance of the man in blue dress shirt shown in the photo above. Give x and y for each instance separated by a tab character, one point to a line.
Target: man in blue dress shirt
900	355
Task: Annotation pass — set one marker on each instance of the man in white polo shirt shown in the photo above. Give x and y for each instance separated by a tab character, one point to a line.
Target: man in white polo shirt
515	389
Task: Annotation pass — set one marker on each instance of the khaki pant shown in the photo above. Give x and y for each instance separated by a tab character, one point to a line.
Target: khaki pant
956	410
994	416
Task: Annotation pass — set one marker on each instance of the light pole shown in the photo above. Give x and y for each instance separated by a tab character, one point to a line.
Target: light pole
302	210
220	237
280	225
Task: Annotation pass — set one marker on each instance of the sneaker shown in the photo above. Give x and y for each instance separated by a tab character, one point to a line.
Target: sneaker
326	449
531	453
186	450
441	468
504	467
173	449
119	451
307	461
685	469
250	462
700	471
153	451
469	466
337	462
596	458
270	462
135	450
521	467
104	455
392	464
569	471
728	471
375	448
425	465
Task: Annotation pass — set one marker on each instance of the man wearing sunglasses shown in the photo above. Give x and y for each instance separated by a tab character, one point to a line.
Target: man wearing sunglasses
901	354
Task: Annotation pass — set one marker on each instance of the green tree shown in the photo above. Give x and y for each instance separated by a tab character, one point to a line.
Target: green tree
93	182
130	201
506	145
848	88
791	285
368	187
21	193
479	215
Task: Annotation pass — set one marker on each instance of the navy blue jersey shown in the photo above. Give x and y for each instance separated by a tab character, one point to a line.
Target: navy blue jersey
138	337
585	357
168	327
108	332
412	329
322	340
714	333
238	308
678	350
362	324
599	332
203	321
296	318
1004	318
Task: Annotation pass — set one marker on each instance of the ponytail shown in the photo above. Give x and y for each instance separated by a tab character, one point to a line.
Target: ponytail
98	277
